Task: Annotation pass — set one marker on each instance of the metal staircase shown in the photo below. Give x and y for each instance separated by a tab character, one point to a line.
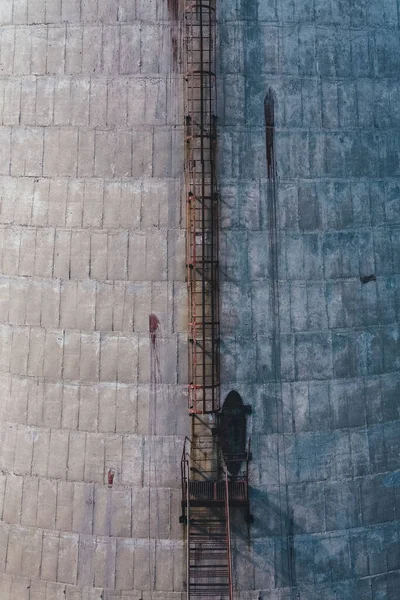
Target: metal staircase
205	508
209	554
208	493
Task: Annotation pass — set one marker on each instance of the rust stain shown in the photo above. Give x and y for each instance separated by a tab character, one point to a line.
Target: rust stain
110	477
154	324
155	368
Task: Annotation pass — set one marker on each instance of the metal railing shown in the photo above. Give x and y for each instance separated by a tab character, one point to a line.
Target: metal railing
228	534
209	486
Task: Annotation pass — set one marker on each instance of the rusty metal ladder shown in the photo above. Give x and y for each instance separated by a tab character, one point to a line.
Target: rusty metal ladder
202	207
205	497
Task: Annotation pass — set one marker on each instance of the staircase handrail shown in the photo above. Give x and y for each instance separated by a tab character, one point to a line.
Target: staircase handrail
228	535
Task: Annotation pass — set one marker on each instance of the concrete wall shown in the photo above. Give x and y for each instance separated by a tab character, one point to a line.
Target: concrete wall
91	162
325	475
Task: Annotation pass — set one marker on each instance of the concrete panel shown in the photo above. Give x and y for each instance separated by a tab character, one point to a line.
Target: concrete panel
320	430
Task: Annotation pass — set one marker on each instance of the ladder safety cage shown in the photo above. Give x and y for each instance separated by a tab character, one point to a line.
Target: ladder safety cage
202	207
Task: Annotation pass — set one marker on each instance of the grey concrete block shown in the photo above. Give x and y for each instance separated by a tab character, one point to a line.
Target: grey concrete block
375	511
307	47
23	451
47	498
313	356
377	450
325	52
343	52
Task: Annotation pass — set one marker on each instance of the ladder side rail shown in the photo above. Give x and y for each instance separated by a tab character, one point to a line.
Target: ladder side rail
215	280
187	534
202	107
214	248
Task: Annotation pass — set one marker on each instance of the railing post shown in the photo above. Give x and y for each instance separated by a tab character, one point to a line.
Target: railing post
187	534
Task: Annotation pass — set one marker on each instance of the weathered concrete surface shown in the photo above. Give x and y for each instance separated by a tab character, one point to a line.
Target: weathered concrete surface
92	244
91	152
325	475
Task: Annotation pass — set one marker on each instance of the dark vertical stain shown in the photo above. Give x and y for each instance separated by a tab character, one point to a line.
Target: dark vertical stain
269	116
269	112
155	367
173	9
155	381
288	559
174	44
291	554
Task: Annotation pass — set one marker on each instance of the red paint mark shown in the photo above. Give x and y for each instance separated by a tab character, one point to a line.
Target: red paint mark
154	324
155	368
110	476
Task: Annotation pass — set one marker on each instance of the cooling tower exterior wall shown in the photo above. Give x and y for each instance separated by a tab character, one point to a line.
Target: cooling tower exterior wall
93	300
93	360
313	348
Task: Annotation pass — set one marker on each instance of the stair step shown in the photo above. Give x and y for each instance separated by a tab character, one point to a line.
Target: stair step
208	554
213	565
207	575
209	545
199	517
206	545
210	586
200	550
204	539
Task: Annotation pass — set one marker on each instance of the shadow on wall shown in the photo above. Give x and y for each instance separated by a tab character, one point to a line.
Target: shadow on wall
267	548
